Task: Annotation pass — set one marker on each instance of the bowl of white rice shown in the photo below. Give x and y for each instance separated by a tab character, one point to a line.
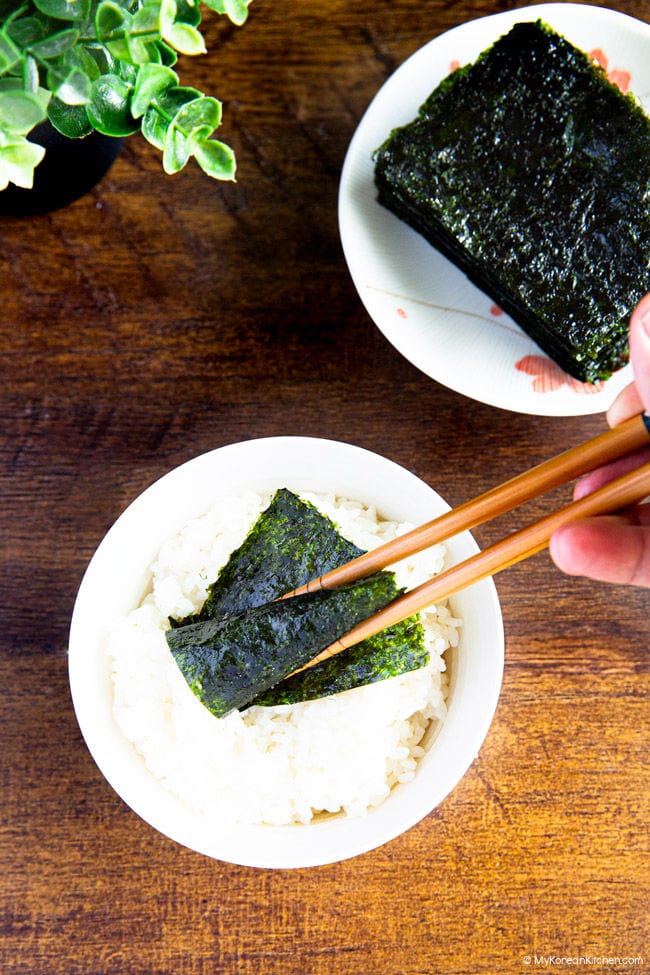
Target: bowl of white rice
291	785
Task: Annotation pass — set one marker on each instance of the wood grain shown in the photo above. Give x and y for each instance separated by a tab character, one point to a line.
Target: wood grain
159	317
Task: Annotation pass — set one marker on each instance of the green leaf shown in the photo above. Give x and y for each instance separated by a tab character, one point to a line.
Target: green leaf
199	113
172	100
17	163
109	107
9	53
147	24
106	63
176	150
131	39
127	72
135	51
154	55
20	111
64	9
55	45
162	111
184	38
69	84
142	52
78	57
151	81
43	97
70	120
109	18
25	31
188	13
154	127
31	78
127	38
168	56
168	10
215	158
235	10
111	26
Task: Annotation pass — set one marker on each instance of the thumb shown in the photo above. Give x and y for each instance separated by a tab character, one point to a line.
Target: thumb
640	349
609	548
636	397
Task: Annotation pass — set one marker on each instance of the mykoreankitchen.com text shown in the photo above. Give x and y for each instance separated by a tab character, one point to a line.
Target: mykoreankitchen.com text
583	961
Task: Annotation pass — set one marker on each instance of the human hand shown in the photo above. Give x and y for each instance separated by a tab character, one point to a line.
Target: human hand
615	548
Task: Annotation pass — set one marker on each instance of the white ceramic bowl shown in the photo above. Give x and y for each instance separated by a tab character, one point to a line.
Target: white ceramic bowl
424	305
118	577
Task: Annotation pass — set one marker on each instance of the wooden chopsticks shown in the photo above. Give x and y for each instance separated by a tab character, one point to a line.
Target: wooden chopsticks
607	446
620	493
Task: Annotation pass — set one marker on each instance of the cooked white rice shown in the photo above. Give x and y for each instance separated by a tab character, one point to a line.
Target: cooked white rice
287	763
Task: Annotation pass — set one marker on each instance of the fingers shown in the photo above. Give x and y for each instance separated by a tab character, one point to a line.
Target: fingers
640	349
603	475
609	549
636	397
628	403
615	548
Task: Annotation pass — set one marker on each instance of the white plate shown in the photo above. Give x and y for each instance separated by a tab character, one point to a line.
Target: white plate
119	576
423	304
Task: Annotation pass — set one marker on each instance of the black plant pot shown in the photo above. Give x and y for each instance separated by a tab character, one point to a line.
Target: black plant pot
68	170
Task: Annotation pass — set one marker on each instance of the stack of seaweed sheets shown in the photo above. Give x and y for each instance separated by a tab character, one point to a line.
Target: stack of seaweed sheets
531	171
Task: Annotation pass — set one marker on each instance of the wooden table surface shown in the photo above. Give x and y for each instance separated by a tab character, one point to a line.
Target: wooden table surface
159	317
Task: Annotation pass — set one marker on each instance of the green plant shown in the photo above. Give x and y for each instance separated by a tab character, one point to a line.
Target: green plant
106	65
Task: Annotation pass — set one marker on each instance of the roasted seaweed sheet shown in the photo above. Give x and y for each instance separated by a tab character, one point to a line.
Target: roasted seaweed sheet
228	662
291	543
397	650
531	171
243	643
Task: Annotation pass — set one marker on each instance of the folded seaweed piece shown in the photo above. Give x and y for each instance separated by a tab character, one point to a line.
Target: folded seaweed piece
290	543
531	171
397	650
229	662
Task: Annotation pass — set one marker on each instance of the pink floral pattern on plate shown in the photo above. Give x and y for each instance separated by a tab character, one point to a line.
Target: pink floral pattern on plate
617	76
548	377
